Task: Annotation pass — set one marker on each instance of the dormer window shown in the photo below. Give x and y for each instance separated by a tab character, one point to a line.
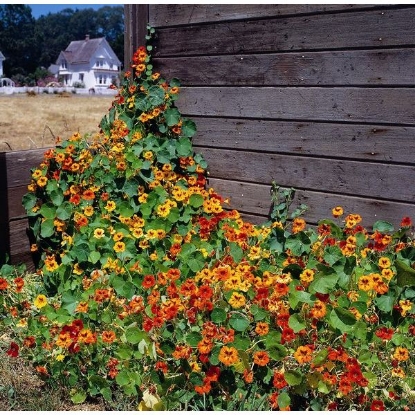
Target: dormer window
64	64
99	63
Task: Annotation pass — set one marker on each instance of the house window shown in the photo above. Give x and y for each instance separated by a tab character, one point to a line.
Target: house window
81	77
99	63
102	80
64	64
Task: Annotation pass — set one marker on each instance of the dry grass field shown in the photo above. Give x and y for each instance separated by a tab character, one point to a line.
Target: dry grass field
28	122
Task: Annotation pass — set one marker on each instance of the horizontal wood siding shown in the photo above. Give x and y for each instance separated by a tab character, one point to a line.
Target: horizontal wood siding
15	175
316	97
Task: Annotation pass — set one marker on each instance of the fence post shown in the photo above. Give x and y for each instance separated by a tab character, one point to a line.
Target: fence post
135	22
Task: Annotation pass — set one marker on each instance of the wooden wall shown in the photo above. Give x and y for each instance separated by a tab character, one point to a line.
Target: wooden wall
15	175
317	97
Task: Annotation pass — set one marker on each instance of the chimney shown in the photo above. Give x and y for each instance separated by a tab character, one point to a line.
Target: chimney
86	37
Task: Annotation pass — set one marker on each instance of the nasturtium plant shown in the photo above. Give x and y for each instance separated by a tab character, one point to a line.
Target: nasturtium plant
149	285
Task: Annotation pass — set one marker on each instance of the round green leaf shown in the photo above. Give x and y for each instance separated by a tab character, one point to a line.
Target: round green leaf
218	315
293	377
239	322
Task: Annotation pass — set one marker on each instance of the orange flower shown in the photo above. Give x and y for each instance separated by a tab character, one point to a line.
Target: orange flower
401	354
298	225
278	380
19	282
248	376
303	354
319	309
228	355
108	336
86	336
261	358
82	307
205	346
262	328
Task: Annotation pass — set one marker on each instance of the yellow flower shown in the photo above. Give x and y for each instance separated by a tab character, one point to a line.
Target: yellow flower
110	206
384	262
40	301
365	283
99	233
405	306
119	246
337	211
42	181
60	357
237	300
307	276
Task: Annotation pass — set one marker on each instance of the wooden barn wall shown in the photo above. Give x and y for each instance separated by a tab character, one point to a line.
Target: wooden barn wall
15	175
316	97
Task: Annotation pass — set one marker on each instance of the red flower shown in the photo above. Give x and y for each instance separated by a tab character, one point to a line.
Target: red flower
406	222
377	405
384	333
13	350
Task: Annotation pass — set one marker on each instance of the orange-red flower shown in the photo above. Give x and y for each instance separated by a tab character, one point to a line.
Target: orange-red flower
148	281
3	284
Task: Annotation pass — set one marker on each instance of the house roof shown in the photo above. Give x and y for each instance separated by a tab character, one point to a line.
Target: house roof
82	51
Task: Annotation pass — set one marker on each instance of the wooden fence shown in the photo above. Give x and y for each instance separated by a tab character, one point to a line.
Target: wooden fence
316	97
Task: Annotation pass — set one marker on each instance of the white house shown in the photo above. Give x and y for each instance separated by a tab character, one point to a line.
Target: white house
89	63
2	58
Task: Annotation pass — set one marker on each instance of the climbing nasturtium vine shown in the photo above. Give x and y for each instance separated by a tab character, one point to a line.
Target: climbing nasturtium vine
149	284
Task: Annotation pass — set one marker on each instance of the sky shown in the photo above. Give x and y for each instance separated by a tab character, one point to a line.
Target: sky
39	9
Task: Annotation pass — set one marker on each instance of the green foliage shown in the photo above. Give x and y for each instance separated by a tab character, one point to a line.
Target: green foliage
151	287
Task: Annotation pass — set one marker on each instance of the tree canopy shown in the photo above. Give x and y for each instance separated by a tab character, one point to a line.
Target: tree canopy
29	44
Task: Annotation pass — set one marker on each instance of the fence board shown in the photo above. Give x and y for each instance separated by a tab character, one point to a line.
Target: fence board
182	14
369	105
352	67
376	180
360	142
377	28
256	200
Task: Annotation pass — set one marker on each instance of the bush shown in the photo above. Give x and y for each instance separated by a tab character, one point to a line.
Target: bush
151	287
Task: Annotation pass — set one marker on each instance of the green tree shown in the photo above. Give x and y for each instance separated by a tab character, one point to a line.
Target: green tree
17	27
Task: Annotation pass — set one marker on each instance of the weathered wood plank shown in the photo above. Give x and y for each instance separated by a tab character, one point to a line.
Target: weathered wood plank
368	105
361	142
182	14
256	200
19	240
4	212
352	67
377	28
135	18
345	177
14	201
19	163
